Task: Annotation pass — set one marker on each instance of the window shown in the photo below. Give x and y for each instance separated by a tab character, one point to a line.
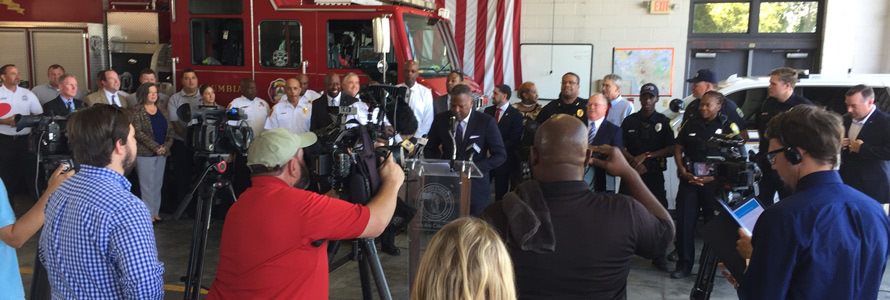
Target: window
220	7
217	42
788	17
428	46
727	17
280	44
351	46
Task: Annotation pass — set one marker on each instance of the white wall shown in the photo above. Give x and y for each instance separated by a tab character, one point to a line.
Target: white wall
608	24
857	37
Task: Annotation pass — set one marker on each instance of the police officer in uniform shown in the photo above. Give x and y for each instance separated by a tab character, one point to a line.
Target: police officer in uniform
703	82
568	103
781	99
648	141
697	186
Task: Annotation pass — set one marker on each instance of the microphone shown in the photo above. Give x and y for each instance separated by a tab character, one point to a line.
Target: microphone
472	150
452	120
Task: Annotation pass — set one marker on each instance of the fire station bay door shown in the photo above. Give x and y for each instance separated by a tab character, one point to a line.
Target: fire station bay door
66	47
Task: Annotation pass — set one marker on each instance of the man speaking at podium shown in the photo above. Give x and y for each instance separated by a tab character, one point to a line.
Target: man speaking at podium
476	138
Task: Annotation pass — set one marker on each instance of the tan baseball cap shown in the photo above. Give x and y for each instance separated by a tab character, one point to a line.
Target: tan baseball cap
275	147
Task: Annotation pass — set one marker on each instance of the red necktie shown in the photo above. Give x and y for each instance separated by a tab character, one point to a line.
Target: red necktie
497	115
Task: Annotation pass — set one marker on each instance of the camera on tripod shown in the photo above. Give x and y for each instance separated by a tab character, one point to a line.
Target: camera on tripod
732	170
213	130
349	152
48	140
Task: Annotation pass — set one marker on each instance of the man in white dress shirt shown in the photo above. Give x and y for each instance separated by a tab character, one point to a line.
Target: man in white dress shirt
254	107
420	98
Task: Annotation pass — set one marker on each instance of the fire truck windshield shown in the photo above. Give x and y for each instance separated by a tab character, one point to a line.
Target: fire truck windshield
428	46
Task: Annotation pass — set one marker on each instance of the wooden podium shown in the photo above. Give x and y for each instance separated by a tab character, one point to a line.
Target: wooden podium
440	190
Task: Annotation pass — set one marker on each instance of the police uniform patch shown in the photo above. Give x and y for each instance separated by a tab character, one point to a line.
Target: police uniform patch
579	113
658	127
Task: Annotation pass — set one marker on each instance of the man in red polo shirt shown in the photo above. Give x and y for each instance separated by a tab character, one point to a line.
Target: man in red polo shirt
266	250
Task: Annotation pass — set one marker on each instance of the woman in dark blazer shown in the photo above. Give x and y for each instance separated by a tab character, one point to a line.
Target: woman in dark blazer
154	135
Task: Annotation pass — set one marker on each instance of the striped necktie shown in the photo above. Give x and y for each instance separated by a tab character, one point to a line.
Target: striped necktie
592	133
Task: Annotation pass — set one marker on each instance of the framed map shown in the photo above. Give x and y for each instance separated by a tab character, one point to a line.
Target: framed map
638	66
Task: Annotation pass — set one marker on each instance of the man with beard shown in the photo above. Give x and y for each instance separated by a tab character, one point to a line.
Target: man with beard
98	241
292	262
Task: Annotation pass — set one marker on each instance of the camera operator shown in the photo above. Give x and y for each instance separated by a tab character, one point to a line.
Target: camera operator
14	155
287	221
825	241
697	187
98	241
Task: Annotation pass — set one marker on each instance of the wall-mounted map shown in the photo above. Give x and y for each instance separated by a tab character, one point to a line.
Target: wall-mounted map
638	66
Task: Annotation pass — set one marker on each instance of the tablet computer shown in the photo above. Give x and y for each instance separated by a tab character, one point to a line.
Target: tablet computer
745	214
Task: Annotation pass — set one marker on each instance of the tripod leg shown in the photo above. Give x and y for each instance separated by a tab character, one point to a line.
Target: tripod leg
364	277
369	254
704	282
188	198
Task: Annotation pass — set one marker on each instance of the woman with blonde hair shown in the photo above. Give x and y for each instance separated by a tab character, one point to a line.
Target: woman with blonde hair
465	260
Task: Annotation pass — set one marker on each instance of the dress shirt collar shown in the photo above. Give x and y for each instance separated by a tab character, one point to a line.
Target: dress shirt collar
597	123
504	107
105	173
616	100
109	94
66	100
870	112
819	178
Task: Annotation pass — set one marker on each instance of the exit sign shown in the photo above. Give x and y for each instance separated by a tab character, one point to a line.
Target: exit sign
659	7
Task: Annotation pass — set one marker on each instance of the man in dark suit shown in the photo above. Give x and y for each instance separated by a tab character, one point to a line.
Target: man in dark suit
600	132
64	103
441	103
865	159
510	125
325	108
477	138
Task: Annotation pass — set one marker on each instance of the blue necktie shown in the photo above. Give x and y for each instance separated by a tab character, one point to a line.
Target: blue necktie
592	133
459	133
70	105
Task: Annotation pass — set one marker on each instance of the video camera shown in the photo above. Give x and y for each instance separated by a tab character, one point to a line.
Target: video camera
347	154
49	142
216	131
732	170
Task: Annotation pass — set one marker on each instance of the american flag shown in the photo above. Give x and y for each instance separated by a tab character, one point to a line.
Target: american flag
487	36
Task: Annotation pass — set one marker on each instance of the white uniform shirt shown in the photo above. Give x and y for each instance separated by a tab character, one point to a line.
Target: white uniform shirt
420	98
256	110
311	95
293	118
22	102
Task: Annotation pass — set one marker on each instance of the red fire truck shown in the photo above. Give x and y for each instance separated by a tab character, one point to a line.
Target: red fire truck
225	41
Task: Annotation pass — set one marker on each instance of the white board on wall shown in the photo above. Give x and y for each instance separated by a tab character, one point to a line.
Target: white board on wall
544	64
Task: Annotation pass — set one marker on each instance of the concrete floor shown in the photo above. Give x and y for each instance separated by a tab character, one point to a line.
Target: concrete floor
174	237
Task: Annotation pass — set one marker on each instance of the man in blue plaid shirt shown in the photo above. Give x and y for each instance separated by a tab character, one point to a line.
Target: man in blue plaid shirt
97	241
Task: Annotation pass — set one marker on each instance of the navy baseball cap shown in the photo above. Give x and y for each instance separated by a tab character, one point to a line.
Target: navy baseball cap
703	75
649	88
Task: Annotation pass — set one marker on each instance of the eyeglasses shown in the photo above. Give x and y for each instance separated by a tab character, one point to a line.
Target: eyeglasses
771	156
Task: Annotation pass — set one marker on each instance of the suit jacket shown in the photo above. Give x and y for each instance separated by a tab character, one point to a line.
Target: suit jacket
869	170
440	104
510	128
483	132
145	137
607	134
321	113
56	107
99	97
